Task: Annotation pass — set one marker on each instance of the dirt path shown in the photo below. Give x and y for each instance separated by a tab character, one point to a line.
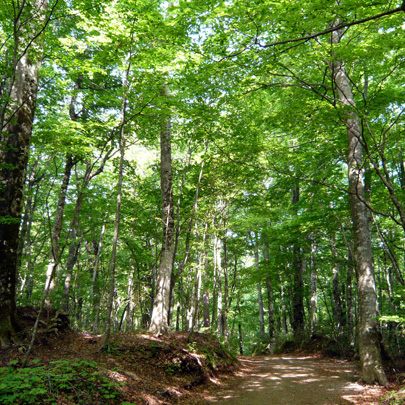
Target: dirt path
290	379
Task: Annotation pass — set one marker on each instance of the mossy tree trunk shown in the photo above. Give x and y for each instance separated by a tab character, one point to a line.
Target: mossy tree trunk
16	120
368	333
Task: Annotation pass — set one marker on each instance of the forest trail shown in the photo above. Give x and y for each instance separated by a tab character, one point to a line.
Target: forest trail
299	380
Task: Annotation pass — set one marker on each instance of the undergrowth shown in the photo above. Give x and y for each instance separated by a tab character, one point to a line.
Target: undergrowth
72	382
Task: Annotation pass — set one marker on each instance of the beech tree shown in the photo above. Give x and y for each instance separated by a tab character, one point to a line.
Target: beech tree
18	93
369	336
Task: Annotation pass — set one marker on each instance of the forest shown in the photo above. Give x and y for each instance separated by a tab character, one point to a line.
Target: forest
227	167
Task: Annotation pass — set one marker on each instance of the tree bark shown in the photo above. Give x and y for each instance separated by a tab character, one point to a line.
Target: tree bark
117	223
25	241
283	309
218	272
95	287
314	294
259	288
16	121
298	309
369	336
349	299
131	301
184	261
56	233
159	320
337	302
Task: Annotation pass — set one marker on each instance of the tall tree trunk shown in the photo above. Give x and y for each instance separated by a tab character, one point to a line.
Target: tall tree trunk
349	299
206	296
95	287
224	318
240	338
89	174
298	309
117	223
177	230
16	121
58	223
25	241
199	275
131	301
56	233
283	309
73	250
270	296
184	261
218	272
314	294
259	288
369	336
206	309
337	302
160	312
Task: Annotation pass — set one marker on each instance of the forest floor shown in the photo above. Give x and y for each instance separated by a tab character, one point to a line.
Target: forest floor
66	368
300	380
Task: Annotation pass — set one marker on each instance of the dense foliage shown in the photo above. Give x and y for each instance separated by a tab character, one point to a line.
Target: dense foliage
263	236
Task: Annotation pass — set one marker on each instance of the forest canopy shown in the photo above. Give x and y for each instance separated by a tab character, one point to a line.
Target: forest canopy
220	166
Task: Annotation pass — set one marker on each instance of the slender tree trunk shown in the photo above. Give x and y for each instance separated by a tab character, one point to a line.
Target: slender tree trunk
224	318
259	289
56	233
117	223
240	339
74	226
337	302
270	299
131	302
153	275
218	272
192	307
206	309
199	274
270	296
73	252
206	296
95	289
390	253
196	317
298	309
24	242
184	261
283	309
393	338
349	299
314	294
160	312
177	230
369	336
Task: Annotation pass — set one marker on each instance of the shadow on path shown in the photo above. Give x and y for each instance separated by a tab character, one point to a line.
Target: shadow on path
284	379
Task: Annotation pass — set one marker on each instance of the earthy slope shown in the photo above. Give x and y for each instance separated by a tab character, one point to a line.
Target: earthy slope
67	368
174	368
